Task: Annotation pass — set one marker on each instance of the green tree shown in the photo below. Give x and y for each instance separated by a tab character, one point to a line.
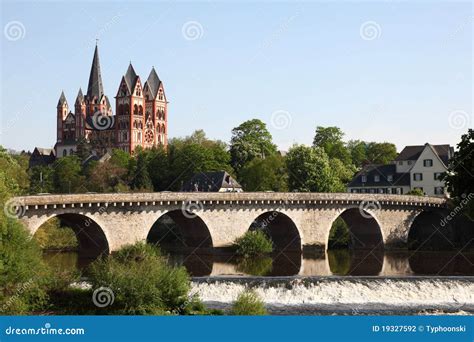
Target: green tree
159	168
358	151
415	192
249	140
108	177
67	177
41	179
265	174
330	140
140	179
381	153
309	170
343	174
23	276
460	175
84	149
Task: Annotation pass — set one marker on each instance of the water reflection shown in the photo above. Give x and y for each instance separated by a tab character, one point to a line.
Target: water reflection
335	262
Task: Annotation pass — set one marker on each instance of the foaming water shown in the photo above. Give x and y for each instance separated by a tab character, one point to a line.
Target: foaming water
345	295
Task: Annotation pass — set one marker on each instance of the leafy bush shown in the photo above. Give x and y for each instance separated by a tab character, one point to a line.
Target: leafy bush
339	236
253	243
52	236
142	281
415	192
248	303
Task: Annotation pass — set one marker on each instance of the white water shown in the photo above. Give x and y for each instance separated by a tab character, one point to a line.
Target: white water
361	295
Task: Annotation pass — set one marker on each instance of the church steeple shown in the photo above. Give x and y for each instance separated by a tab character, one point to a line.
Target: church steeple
95	88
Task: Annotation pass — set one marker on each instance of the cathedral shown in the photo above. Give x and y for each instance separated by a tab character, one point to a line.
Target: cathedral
141	115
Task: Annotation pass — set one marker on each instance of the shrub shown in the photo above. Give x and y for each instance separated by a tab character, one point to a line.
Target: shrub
52	236
142	282
253	243
339	236
415	192
248	303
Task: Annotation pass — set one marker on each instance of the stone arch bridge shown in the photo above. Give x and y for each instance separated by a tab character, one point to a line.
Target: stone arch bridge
106	222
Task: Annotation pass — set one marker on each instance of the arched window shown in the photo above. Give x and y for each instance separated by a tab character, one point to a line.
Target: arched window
160	94
158	129
140	110
71	151
163	129
124	137
135	110
163	115
120	109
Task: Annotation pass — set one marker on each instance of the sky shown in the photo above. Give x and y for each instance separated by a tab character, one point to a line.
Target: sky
381	71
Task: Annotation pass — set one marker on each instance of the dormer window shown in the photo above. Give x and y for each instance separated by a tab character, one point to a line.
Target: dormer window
390	178
363	178
376	178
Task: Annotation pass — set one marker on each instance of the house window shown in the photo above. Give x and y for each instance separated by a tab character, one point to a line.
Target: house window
410	162
417	176
438	190
400	163
64	153
428	162
437	176
381	191
376	178
390	178
364	178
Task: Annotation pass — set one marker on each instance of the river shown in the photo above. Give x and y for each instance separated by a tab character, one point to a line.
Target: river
340	282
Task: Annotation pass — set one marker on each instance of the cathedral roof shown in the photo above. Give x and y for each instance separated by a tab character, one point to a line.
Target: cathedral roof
153	82
62	99
131	78
80	96
95	87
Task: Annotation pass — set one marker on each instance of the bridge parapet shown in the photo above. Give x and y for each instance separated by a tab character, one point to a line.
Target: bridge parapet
253	198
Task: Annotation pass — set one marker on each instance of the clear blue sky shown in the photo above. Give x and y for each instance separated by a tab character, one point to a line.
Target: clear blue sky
307	60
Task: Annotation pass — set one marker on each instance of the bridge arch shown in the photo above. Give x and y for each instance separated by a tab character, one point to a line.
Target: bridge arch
91	237
281	229
179	230
430	229
364	229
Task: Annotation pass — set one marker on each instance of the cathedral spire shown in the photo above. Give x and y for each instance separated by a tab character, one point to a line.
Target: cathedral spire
95	87
62	100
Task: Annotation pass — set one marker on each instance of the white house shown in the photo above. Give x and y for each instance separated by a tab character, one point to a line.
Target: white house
416	167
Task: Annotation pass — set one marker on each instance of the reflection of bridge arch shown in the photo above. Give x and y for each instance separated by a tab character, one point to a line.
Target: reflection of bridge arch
90	235
365	230
280	228
179	230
